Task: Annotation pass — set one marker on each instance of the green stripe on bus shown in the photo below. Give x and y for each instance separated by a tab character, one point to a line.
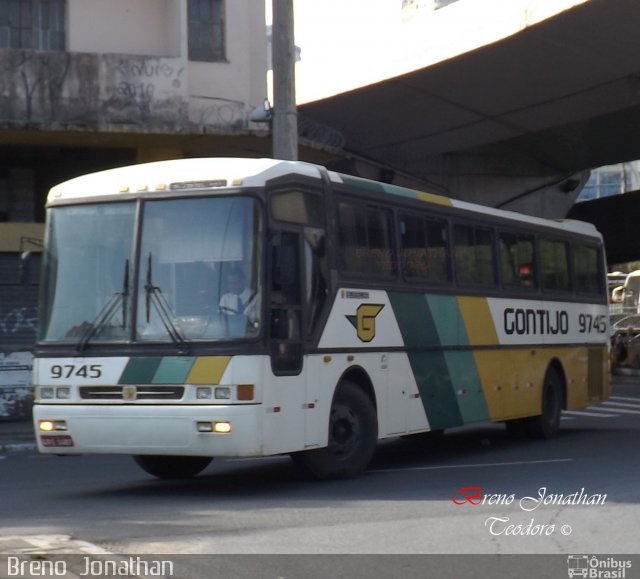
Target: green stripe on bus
430	369
140	370
468	388
431	373
379	187
463	370
173	370
415	320
448	381
447	319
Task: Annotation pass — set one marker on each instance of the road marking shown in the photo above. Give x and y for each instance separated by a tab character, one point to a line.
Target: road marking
625	398
478	465
624	404
619	410
590	414
45	545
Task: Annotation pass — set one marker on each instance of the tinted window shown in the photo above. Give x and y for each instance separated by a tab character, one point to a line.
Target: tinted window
424	248
554	265
365	239
474	255
587	270
298	207
517	266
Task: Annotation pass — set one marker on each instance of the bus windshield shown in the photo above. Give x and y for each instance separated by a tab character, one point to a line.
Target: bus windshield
194	277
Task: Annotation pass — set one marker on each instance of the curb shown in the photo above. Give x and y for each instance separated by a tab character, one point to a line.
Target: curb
18	448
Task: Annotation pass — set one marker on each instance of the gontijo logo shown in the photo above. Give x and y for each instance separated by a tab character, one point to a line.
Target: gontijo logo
365	321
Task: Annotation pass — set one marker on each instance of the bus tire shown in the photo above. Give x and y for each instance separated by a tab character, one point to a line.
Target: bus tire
353	435
547	424
172	467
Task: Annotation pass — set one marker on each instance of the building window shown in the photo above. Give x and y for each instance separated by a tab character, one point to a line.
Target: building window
206	30
33	24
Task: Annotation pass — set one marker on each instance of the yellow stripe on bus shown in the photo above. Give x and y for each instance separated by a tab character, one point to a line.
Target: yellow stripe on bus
431	198
208	370
478	321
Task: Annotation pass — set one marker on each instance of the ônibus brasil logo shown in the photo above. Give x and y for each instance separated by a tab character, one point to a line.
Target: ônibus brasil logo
598	567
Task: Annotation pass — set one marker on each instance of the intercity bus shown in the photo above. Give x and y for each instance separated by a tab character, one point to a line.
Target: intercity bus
203	308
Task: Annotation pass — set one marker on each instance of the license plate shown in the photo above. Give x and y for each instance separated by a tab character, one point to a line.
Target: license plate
56	440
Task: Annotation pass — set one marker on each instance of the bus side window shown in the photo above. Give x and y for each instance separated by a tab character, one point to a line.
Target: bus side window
587	270
554	257
473	246
517	264
365	238
424	249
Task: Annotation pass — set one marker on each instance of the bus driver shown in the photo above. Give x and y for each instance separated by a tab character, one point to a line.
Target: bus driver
239	299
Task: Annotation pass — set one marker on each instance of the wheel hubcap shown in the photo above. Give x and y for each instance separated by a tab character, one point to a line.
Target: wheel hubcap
345	431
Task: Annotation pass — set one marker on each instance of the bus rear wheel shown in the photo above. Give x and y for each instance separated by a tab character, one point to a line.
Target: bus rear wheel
547	424
353	435
172	467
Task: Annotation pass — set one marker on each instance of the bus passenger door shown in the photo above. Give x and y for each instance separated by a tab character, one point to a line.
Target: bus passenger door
285	304
298	300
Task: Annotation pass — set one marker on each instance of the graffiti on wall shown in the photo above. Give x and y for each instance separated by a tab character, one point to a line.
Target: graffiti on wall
220	113
19	319
144	87
66	87
137	93
16	393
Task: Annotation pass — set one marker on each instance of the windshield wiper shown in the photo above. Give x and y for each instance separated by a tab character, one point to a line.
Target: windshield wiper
155	296
107	311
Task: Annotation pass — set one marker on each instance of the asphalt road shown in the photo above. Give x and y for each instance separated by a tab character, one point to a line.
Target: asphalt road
416	498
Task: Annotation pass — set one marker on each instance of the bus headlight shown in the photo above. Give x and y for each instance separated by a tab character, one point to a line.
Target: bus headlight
223	393
63	393
222	427
54	393
47	393
203	393
51	425
219	427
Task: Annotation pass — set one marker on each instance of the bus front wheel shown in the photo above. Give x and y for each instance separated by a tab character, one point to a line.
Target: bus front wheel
172	467
353	435
547	424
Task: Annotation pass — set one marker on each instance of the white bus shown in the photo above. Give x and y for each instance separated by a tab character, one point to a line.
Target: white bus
202	308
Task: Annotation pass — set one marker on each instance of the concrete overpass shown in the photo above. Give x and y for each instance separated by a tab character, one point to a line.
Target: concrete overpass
617	219
515	123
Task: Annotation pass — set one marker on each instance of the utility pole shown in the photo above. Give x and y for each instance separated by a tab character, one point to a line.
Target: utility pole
285	115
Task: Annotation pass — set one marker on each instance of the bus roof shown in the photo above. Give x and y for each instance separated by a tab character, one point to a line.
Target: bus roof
224	172
176	175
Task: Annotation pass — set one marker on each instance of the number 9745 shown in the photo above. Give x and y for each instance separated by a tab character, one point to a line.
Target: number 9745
65	371
589	323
